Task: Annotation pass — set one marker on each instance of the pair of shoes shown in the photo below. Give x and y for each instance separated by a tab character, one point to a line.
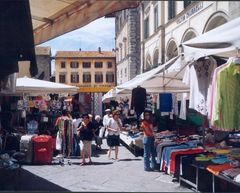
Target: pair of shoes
90	162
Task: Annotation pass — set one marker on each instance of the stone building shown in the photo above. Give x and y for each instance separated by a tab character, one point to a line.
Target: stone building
92	71
167	24
127	44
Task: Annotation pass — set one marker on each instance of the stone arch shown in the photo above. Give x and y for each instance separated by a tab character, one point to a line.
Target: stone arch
155	57
215	20
148	62
190	33
172	49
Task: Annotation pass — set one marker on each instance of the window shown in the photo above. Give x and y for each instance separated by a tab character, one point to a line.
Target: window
86	77
63	64
62	78
99	77
146	28
109	77
86	64
186	3
98	64
74	64
171	9
74	78
121	73
125	72
109	65
155	18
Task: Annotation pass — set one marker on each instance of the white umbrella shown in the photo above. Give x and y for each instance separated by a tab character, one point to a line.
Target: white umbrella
170	80
35	86
145	76
115	94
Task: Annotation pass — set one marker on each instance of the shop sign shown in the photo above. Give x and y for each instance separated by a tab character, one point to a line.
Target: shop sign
190	12
95	89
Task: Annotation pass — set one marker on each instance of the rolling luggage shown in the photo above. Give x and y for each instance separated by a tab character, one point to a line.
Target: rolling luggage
43	149
26	147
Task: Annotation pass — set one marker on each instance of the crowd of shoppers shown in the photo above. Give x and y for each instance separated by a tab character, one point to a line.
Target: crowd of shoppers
88	128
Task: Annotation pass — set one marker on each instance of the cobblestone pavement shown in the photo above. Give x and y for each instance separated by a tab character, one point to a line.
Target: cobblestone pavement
124	175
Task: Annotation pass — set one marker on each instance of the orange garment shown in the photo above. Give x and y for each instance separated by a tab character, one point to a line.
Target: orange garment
147	129
216	169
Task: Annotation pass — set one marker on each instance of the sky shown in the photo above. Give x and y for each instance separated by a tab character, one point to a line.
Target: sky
99	33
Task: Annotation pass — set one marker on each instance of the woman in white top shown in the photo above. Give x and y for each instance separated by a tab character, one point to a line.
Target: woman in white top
114	128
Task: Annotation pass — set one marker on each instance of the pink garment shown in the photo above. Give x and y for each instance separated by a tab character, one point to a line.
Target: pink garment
213	93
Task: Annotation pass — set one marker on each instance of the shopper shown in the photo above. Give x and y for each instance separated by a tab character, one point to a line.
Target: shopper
76	121
86	133
148	142
114	128
106	119
97	127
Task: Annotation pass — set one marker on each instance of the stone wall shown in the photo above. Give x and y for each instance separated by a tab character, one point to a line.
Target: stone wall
134	42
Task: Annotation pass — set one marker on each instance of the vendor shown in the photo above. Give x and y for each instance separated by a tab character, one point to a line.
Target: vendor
148	141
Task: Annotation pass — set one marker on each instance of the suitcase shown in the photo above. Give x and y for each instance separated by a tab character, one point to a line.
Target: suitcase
43	149
26	147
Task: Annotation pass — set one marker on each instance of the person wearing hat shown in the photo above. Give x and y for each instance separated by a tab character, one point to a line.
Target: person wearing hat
106	119
148	141
114	128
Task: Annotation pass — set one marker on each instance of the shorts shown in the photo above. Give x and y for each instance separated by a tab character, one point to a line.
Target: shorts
87	146
113	140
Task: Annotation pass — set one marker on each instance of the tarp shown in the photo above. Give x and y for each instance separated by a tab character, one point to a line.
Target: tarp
33	86
133	83
221	41
52	18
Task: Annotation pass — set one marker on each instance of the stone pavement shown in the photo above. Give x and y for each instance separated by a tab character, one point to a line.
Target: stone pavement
124	175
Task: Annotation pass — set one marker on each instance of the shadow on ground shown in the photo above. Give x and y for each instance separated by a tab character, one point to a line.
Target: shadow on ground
137	159
94	163
26	181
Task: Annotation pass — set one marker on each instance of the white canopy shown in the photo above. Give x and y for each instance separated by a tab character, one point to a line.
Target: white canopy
221	41
33	86
169	80
133	83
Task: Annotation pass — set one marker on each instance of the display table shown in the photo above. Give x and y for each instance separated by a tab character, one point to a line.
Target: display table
134	143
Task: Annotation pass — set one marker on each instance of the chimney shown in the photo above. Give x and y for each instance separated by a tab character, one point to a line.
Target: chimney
99	49
80	49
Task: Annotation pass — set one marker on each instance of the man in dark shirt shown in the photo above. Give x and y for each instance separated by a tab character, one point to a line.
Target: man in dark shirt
86	132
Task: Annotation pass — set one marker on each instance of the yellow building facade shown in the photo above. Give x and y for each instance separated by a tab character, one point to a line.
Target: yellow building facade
91	71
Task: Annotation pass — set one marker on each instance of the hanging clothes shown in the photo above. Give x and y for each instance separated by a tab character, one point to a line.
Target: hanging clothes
138	103
166	102
16	37
212	114
149	105
65	135
183	109
198	77
227	95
